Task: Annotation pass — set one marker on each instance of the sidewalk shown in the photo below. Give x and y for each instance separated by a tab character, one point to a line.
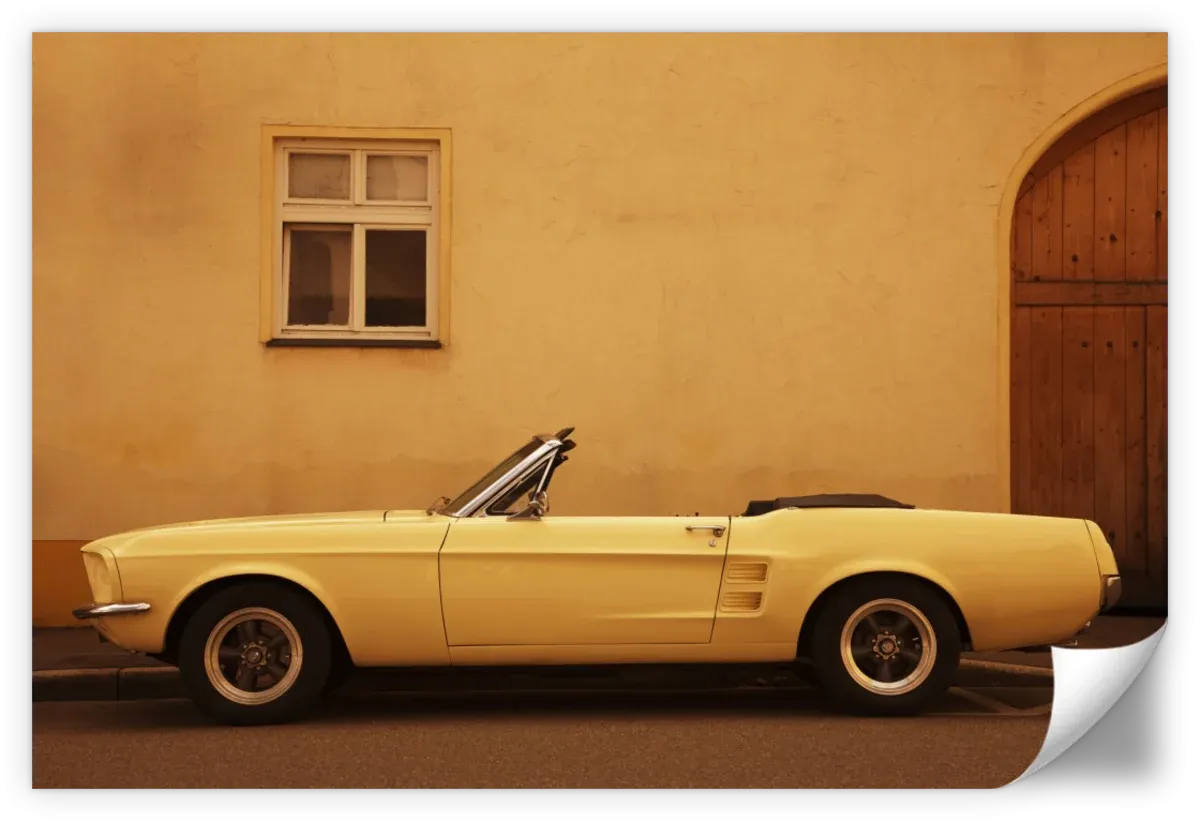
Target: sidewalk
72	664
80	648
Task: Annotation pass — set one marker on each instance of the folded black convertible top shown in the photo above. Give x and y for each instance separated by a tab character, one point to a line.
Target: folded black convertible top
758	508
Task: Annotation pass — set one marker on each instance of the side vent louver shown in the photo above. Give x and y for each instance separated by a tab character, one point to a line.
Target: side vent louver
746	572
741	601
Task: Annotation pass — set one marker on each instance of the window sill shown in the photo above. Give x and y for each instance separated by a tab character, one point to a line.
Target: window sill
341	342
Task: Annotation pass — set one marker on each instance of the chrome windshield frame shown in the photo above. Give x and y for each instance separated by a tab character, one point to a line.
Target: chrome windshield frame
491	492
541	469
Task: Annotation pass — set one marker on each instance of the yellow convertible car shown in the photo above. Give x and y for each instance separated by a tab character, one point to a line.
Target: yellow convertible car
878	597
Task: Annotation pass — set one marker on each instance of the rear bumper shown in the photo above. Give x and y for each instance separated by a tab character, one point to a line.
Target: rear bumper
96	611
1110	592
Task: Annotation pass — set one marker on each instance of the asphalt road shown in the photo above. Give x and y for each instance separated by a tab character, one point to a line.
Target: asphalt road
734	738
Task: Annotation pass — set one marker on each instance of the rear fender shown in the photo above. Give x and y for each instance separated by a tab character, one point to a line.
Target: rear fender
864	567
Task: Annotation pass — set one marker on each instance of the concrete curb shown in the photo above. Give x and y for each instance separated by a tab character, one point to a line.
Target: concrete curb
151	683
1007	668
107	684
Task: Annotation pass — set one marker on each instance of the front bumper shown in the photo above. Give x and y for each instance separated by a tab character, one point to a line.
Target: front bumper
95	611
1111	592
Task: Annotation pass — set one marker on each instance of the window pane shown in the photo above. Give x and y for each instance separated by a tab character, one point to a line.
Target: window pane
319	176
319	276
397	178
395	278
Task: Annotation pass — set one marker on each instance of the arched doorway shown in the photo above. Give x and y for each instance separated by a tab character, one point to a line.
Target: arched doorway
1089	334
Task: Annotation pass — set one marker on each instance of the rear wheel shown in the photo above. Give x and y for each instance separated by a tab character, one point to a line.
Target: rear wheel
256	653
886	646
341	666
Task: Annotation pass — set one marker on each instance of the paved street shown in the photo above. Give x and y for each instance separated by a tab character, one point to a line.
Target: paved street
734	738
589	729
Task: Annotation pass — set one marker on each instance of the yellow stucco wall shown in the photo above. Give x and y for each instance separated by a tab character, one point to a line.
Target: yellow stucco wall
743	266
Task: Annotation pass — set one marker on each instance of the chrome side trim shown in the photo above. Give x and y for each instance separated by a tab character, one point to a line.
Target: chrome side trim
97	610
548	446
1112	592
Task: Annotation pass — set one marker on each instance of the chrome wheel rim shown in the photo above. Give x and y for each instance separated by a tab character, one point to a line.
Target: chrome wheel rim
889	647
253	656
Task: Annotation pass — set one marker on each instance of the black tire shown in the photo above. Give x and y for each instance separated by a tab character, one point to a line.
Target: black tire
315	654
341	667
806	672
834	674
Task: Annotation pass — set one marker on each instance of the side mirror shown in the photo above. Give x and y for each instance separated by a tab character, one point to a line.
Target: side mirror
536	509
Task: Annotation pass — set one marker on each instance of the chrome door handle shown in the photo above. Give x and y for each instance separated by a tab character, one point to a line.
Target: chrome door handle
716	529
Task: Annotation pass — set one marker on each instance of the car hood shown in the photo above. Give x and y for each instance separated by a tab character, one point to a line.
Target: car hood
408	515
240	530
289	520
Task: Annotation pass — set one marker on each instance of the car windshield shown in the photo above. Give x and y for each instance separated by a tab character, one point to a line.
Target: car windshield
492	475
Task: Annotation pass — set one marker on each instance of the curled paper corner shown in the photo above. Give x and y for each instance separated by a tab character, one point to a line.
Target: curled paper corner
1087	683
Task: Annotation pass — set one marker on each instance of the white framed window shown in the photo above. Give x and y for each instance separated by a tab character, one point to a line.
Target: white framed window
356	241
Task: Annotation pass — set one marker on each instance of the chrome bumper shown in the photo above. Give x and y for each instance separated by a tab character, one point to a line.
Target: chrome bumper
1111	592
97	610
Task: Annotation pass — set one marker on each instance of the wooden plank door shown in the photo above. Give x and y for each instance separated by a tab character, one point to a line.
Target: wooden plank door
1089	336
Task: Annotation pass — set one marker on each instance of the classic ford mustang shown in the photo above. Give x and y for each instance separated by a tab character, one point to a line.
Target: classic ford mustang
877	598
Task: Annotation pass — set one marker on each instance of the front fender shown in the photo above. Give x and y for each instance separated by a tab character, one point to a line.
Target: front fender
147	632
261	568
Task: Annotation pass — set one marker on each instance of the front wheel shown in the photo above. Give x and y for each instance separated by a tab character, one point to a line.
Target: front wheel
886	646
255	653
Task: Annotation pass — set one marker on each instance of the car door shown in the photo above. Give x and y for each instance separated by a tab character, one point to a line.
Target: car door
582	580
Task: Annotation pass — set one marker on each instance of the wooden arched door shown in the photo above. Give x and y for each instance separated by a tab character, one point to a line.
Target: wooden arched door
1089	336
